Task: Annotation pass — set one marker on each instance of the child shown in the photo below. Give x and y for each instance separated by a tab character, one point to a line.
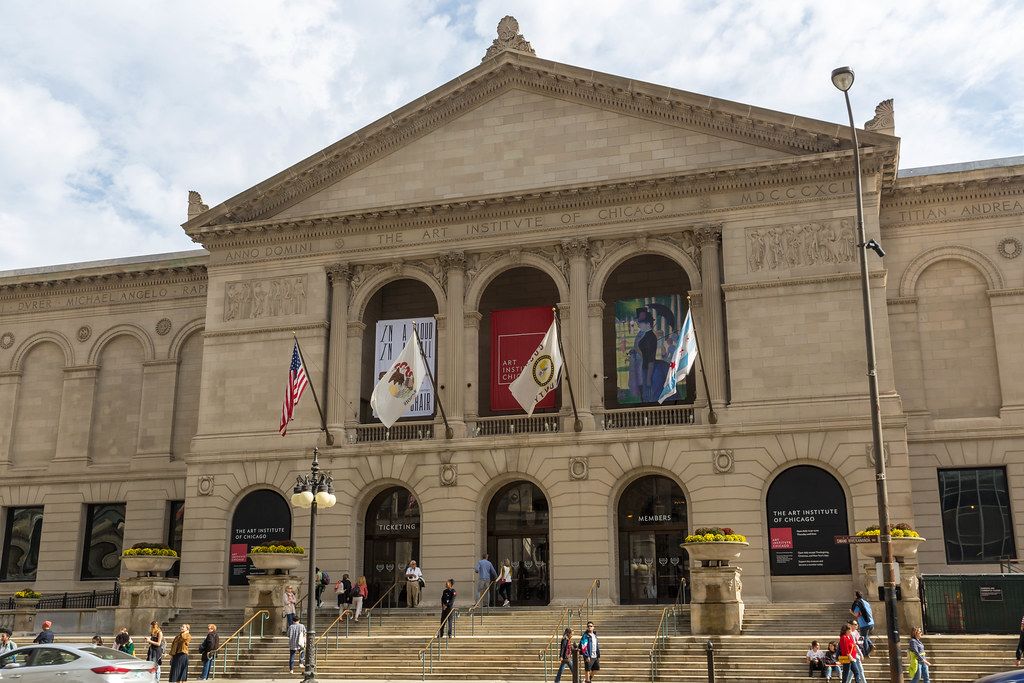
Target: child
831	662
814	660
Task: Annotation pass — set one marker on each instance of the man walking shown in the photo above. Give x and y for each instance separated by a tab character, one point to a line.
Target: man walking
861	611
485	574
447	605
591	651
296	643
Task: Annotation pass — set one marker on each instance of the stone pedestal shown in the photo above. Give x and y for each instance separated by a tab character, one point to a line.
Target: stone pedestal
909	611
716	602
145	599
267	592
24	615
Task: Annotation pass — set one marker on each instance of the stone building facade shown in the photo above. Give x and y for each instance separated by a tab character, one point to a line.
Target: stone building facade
140	398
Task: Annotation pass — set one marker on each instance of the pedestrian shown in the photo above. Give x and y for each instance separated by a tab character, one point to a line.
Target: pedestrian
323	580
831	662
343	588
6	644
155	653
289	606
359	593
413	584
296	643
591	651
1020	643
565	655
122	640
208	650
505	583
861	611
485	573
815	660
849	655
918	668
45	636
179	654
447	605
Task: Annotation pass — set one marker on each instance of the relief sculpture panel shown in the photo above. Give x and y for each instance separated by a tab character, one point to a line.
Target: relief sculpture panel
265	298
804	244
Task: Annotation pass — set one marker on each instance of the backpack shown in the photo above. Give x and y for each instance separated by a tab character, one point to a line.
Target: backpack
325	578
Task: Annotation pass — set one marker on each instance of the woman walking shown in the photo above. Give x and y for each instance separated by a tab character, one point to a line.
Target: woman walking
918	669
505	582
849	656
289	606
179	655
155	653
565	655
208	650
359	593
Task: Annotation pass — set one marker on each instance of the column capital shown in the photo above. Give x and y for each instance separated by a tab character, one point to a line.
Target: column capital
596	306
576	248
709	234
339	272
356	328
472	319
453	260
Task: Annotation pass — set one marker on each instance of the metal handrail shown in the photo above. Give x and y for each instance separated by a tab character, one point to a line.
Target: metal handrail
681	593
661	635
369	612
264	616
475	611
337	635
545	654
427	652
1008	565
589	603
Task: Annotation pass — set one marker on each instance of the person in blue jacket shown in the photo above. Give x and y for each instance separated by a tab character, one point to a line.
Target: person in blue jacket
861	611
590	648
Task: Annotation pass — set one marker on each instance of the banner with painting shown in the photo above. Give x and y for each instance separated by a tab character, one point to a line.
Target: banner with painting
515	335
392	336
646	332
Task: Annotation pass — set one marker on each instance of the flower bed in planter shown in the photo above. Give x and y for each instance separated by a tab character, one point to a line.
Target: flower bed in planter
147	559
714	544
277	556
904	540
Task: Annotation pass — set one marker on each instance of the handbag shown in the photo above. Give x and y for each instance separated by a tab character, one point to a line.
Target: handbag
913	665
844	659
421	582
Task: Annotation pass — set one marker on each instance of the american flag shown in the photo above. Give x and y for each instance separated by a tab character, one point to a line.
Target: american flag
297	383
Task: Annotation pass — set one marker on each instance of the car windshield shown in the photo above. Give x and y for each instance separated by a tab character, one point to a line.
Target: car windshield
105	653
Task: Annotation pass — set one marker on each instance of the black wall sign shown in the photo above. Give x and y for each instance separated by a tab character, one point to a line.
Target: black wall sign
262	516
806	510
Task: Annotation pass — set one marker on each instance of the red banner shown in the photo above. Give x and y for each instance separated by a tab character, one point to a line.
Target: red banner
515	335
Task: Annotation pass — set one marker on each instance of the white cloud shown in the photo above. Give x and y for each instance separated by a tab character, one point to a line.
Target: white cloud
111	111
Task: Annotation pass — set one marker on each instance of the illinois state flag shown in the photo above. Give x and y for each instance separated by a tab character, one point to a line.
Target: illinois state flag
683	356
540	373
397	389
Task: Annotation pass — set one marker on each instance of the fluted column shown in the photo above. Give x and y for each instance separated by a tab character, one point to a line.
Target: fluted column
353	372
340	275
595	373
454	265
577	340
471	372
712	337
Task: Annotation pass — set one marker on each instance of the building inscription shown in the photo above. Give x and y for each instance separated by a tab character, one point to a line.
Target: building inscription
105	298
954	211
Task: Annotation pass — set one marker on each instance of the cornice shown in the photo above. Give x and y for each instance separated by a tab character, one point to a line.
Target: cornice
1014	291
318	325
797	281
104	281
958	190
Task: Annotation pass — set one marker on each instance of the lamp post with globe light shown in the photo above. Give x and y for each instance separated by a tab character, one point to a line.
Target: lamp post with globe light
842	78
313	491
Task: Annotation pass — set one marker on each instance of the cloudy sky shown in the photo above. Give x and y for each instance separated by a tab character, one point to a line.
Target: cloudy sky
111	111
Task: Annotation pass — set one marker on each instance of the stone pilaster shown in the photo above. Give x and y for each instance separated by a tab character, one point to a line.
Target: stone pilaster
76	407
454	265
353	372
471	334
576	341
712	337
340	276
595	373
9	383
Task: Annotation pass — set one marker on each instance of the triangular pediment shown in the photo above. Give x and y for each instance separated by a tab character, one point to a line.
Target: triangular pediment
520	123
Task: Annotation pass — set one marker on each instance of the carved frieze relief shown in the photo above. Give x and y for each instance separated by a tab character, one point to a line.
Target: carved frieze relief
782	247
265	298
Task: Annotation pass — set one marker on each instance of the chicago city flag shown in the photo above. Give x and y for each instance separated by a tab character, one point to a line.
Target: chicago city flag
398	387
540	373
683	356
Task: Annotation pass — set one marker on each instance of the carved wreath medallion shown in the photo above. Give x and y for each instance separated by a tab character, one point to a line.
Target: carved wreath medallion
579	468
449	474
84	332
163	326
1010	247
205	486
6	340
723	461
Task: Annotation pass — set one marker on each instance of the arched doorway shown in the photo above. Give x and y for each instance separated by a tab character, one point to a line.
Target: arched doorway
391	538
652	525
517	530
261	516
806	508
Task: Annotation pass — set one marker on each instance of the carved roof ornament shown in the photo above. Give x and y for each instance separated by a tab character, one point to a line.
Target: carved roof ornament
884	120
195	204
509	38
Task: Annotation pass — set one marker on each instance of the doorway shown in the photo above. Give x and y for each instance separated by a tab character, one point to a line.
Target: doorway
652	525
517	530
391	539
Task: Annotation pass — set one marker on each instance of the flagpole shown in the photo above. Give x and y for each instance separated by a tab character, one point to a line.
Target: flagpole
712	416
323	420
577	426
448	431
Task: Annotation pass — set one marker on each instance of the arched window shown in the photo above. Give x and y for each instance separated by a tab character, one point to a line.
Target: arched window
652	526
517	530
806	510
261	516
391	539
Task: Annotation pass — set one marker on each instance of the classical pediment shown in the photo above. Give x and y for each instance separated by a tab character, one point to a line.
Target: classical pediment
520	123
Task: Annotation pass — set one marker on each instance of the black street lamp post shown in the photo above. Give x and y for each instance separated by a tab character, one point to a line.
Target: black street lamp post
842	78
313	490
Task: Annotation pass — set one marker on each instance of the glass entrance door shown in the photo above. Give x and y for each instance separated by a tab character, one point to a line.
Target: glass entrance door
392	539
517	530
529	558
652	526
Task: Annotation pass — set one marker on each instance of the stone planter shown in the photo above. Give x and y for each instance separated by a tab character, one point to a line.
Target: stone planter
26	603
718	552
147	565
277	562
902	547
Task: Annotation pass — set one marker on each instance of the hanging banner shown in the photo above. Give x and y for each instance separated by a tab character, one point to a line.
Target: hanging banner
262	516
806	516
391	338
515	335
646	331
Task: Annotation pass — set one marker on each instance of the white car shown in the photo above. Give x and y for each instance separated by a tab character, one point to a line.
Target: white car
55	663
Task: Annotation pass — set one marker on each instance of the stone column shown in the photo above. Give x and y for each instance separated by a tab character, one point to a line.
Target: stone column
454	265
353	372
471	335
340	275
909	612
9	383
156	414
712	337
716	602
575	341
76	403
595	373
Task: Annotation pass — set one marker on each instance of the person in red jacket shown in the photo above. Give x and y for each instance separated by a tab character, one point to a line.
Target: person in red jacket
849	656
